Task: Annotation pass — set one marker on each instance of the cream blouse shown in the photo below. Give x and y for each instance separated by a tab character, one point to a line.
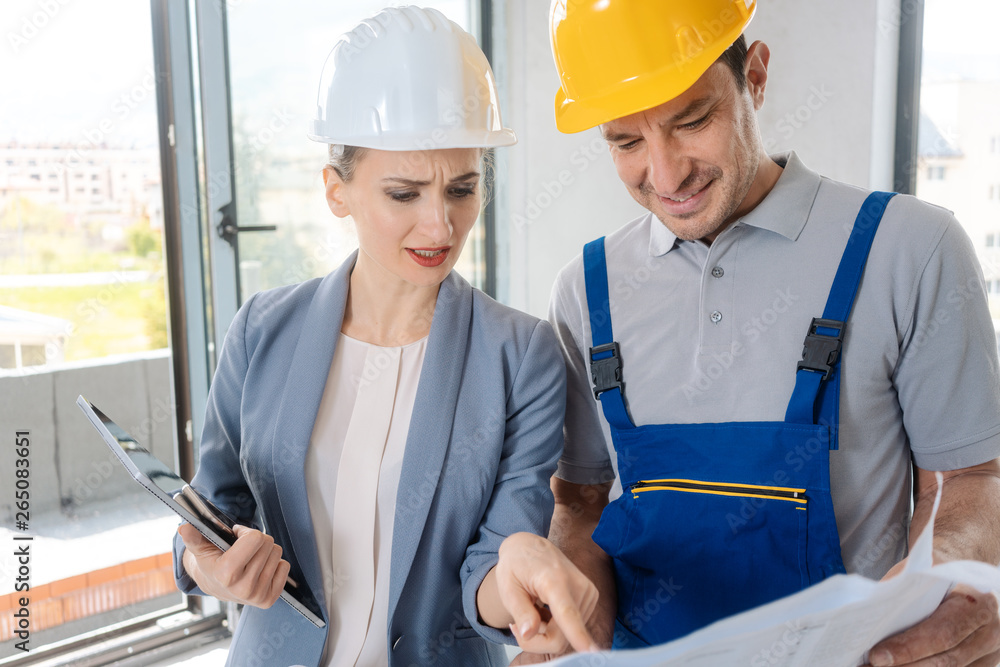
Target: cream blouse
352	475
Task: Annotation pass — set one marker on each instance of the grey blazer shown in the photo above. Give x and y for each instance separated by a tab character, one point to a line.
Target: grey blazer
484	438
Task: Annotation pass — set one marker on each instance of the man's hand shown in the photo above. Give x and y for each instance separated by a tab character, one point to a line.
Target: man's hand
538	592
964	630
249	572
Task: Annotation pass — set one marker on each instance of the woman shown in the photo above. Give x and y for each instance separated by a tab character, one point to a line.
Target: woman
390	428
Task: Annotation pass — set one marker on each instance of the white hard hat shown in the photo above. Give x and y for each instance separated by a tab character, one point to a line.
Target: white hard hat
408	79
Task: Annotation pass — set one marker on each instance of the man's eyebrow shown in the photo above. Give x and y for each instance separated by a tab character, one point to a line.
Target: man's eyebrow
411	182
691	109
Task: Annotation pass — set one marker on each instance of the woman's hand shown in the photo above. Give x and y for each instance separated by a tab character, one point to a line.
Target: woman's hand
250	572
545	599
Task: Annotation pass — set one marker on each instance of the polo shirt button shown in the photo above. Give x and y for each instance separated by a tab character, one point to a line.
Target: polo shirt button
716	317
395	644
718	272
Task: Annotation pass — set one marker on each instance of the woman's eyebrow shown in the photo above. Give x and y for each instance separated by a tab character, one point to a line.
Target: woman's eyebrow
411	182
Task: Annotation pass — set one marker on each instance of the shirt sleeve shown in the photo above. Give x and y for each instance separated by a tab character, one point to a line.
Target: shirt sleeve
219	476
947	377
585	458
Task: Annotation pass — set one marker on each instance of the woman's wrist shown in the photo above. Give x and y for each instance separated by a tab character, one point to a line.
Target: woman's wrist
491	610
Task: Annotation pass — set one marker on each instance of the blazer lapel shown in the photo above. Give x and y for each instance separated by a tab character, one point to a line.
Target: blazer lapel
430	426
296	414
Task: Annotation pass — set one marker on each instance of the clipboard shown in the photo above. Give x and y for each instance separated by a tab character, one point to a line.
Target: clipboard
174	492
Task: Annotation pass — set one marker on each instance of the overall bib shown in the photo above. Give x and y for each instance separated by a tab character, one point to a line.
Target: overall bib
718	518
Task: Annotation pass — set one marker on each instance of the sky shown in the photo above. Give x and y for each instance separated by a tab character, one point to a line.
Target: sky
67	67
70	67
960	39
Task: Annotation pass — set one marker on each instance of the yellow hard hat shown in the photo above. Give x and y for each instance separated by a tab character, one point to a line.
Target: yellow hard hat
619	57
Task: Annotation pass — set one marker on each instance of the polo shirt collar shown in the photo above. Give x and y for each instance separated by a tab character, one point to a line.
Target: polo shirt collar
786	207
784	210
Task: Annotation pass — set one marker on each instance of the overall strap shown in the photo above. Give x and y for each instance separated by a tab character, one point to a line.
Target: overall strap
821	355
605	356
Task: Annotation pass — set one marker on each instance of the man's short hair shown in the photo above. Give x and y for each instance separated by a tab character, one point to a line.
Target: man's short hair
735	58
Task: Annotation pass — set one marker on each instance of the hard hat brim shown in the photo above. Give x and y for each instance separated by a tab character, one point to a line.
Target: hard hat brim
636	91
434	140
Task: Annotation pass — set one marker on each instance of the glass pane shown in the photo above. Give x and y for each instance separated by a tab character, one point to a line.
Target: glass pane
278	169
959	138
82	311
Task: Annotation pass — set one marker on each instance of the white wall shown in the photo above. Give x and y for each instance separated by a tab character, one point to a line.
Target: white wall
831	97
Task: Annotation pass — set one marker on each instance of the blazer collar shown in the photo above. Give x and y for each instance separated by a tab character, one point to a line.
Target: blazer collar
430	426
427	440
296	413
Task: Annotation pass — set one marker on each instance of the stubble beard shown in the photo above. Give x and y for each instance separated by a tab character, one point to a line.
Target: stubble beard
731	194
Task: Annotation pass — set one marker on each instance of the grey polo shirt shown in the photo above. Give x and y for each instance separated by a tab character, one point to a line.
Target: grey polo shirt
713	334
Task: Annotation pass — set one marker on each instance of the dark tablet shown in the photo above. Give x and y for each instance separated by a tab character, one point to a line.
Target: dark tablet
157	478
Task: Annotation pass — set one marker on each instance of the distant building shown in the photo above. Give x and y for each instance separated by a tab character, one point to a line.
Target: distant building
114	184
959	164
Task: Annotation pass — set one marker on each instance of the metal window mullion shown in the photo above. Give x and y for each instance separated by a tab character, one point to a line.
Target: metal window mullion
911	32
220	181
182	224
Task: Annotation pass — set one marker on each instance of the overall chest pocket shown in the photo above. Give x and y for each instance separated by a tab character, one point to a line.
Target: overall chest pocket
688	552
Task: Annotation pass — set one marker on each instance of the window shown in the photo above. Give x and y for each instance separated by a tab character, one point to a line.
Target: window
83	293
8	356
276	167
959	86
935	173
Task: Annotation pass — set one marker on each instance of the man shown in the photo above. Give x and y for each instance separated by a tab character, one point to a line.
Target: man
747	474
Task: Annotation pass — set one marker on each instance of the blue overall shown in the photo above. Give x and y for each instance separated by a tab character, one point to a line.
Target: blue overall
713	519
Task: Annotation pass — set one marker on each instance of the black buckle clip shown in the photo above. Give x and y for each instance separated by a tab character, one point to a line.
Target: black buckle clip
607	372
821	352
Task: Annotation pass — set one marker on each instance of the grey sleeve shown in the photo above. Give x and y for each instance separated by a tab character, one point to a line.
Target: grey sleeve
585	458
948	376
521	498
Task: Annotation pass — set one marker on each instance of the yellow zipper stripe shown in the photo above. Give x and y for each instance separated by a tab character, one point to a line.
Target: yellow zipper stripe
733	484
739	494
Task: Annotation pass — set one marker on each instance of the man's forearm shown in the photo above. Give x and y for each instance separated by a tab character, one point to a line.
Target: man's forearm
968	521
573	521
